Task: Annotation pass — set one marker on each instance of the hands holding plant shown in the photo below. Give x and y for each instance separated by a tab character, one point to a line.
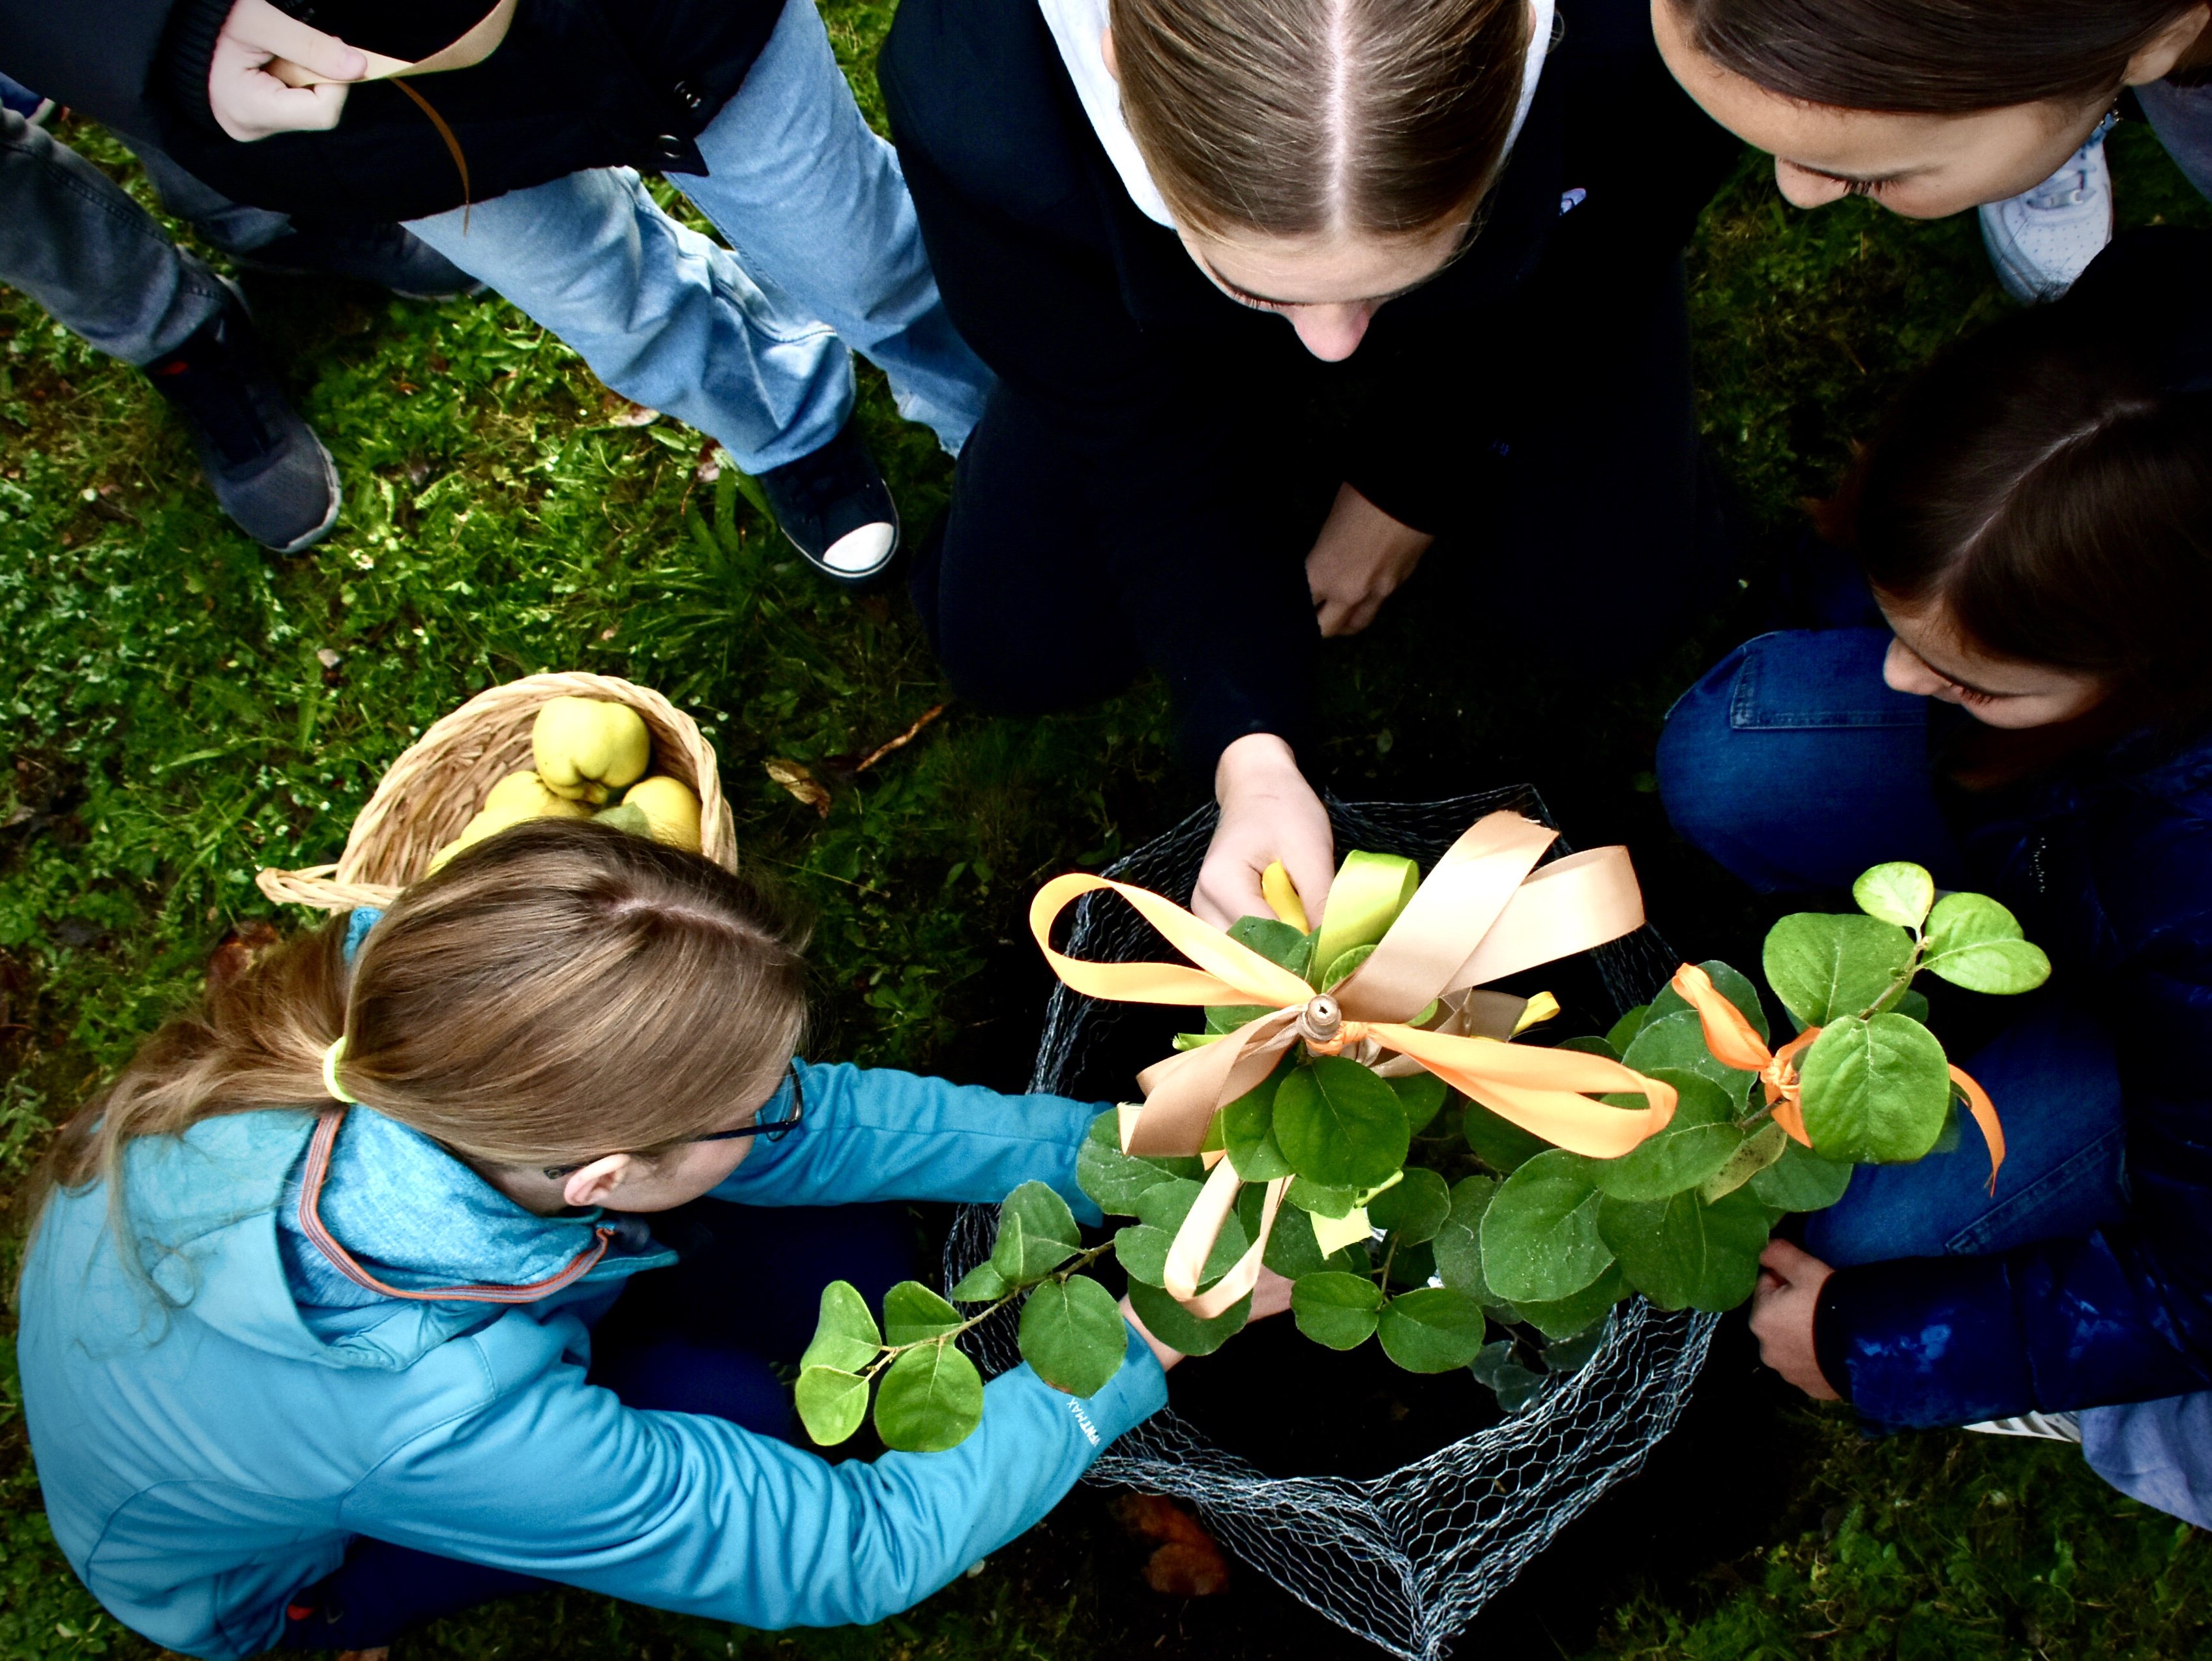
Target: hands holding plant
1269	814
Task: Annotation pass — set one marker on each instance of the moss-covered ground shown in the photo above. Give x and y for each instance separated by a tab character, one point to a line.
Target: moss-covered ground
180	709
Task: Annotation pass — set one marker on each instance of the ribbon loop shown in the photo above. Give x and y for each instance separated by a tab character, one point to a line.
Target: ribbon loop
1485	910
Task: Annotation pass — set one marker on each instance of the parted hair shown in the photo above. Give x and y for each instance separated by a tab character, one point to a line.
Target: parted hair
1302	118
557	992
2049	484
1929	57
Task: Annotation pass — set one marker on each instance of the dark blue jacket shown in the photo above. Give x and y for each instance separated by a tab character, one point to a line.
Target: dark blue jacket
2109	868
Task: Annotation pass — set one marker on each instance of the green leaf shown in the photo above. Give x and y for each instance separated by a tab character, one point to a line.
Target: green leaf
1337	1123
1320	1199
929	1400
831	1404
1412	1265
1414	1209
1801	1180
1572	1354
1517	1389
1422	1096
1292	1252
1575	1312
1225	1017
1114	1179
1677	1043
1589	1044
1178	1329
1433	1330
1037	1234
845	1335
1458	1245
1335	1309
1277	941
1499	1143
1370	891
1539	1235
1730	983
1824	966
1072	1334
1678	1158
1248	1130
1751	1156
1164	1209
1898	893
1142	1252
1341	969
1875	1091
1623	1031
912	1313
981	1284
1698	1100
1974	942
1682	1253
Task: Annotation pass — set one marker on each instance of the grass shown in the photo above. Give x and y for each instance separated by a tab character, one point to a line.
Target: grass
183	709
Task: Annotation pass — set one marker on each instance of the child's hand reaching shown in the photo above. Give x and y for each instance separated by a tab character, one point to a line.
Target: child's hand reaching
1782	1310
1268	812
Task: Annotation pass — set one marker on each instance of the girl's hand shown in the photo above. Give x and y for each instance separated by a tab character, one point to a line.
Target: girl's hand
1271	1296
1268	812
245	94
1361	557
1782	1309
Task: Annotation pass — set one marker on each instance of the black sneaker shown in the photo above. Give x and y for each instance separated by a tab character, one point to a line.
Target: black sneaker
390	255
837	509
267	468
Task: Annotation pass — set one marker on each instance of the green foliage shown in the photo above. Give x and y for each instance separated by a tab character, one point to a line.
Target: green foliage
1974	942
1430	1329
1073	1333
1037	1234
1686	1251
1877	1090
1539	1234
1900	893
929	1399
1336	1308
1822	967
1340	1125
1414	1209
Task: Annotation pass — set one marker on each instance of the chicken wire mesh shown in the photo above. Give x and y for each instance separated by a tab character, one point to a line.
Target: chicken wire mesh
1407	1558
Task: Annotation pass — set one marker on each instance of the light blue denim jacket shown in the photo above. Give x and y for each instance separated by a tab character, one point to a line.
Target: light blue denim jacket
207	1454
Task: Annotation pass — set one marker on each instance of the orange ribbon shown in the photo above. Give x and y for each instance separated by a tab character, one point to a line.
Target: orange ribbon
1736	1042
1484	912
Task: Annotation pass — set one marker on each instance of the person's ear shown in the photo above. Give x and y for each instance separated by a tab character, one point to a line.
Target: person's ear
2166	49
1106	51
596	1183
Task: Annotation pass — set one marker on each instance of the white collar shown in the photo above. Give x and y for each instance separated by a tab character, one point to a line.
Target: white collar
1079	28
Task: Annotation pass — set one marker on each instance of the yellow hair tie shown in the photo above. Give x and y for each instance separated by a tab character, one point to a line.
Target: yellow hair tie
331	1056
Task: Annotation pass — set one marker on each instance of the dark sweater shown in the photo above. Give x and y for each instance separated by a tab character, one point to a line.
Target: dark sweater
1151	378
576	84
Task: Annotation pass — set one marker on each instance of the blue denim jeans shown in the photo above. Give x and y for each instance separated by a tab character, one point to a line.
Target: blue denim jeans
1793	765
749	346
98	264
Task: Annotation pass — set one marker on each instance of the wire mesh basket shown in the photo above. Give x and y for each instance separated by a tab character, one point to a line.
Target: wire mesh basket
441	780
1406	1558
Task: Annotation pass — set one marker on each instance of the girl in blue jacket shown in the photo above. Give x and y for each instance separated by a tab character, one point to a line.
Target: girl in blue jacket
2033	720
316	1336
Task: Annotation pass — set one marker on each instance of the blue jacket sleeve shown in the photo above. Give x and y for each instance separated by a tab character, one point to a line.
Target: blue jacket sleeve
2124	1314
554	1477
874	1134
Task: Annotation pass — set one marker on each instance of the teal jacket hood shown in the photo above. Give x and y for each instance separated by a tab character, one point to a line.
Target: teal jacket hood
214	1421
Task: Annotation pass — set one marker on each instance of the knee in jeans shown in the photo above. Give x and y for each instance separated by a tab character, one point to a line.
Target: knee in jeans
1708	776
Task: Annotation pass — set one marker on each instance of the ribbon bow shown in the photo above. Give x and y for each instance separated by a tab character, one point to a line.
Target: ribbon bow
1484	912
1736	1042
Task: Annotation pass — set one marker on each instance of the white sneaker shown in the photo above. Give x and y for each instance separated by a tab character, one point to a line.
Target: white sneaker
2041	239
2052	1426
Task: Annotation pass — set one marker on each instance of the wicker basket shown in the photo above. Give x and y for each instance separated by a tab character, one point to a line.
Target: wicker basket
441	779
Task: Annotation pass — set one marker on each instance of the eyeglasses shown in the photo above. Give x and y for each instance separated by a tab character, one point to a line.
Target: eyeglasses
767	1130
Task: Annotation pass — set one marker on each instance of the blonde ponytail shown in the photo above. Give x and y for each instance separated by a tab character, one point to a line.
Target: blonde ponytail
557	992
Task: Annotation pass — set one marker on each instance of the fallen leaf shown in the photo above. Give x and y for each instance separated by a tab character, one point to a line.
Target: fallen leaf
709	467
634	415
802	784
1187	1564
240	950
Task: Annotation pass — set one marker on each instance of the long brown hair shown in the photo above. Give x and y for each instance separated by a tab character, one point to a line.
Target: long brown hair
1297	117
2049	484
1929	57
557	992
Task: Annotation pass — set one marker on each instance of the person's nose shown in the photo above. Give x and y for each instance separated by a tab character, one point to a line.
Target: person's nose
1903	671
1803	189
1333	333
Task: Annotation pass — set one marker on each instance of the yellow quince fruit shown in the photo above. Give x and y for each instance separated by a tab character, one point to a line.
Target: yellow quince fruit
526	796
671	812
584	746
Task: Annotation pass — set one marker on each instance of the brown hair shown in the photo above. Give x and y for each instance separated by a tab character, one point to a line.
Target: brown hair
557	992
1296	118
2051	488
1929	57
